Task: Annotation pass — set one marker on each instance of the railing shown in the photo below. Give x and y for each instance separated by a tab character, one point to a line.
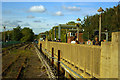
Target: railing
85	57
97	61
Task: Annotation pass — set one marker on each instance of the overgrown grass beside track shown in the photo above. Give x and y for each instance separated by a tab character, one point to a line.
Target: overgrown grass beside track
21	63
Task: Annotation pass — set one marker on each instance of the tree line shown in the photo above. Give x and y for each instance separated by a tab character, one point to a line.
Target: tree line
18	34
90	24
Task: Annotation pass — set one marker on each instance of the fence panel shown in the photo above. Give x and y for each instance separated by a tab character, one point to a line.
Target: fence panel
86	57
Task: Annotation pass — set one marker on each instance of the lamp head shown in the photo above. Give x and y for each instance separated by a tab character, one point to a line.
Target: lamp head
78	19
100	9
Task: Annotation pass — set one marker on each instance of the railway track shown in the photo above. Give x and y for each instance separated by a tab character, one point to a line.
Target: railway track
13	69
8	50
45	64
6	67
23	63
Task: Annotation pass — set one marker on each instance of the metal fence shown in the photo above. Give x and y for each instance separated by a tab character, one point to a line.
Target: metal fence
5	44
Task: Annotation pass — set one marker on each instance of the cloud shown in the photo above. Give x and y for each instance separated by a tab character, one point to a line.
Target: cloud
55	24
6	21
30	16
11	24
59	13
6	12
73	8
37	21
18	21
38	9
47	24
26	24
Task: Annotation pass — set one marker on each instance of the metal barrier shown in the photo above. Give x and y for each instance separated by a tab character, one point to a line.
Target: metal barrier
4	44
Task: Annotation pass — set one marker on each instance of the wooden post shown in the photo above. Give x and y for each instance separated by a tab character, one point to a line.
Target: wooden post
58	63
52	57
40	47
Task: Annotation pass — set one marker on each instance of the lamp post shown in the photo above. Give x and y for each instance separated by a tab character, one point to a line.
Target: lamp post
78	28
100	10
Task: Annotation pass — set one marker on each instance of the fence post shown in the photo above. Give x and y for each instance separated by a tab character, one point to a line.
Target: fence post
58	63
52	57
40	47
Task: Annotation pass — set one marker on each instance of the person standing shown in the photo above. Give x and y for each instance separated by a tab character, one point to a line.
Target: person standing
89	42
73	42
96	42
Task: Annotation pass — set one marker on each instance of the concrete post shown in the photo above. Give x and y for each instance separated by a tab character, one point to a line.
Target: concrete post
115	54
110	53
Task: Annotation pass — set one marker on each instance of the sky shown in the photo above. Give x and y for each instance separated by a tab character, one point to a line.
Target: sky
42	16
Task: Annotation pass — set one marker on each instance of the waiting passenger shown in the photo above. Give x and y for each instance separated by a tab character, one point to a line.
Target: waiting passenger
89	42
96	42
73	42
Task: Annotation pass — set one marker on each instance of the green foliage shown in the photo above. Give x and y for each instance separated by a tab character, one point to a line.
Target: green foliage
28	35
109	22
71	23
90	24
16	34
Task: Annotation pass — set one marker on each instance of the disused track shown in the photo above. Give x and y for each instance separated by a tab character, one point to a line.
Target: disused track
5	67
18	46
13	64
22	60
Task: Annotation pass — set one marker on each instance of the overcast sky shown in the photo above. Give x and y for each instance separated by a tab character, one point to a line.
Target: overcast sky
42	16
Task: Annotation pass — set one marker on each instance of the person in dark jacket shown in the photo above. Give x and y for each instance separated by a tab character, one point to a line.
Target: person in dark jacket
96	42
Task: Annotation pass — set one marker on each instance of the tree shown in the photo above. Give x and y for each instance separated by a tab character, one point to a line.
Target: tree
16	34
28	35
110	19
71	23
